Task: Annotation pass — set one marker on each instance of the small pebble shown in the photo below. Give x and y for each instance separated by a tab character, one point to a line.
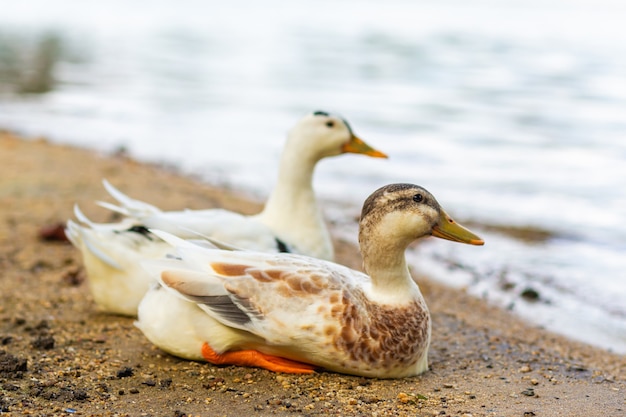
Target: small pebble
43	343
403	398
530	294
53	233
73	277
125	372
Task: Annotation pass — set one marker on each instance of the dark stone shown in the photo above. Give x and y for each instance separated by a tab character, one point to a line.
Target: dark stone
125	372
149	382
530	294
43	343
12	366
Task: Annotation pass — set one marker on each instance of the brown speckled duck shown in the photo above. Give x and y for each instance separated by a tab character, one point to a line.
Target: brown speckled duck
292	313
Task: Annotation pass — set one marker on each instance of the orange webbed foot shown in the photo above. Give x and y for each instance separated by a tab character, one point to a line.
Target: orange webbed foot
254	358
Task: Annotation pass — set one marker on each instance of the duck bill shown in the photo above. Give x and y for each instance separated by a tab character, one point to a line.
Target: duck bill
356	145
450	230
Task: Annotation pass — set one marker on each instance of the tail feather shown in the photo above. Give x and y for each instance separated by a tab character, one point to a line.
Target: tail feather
95	249
94	236
114	208
174	240
130	206
72	231
82	217
80	236
208	241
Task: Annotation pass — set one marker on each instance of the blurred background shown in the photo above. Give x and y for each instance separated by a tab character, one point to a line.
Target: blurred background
512	112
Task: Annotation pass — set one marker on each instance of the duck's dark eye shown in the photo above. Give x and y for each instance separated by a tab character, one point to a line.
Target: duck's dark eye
418	198
330	123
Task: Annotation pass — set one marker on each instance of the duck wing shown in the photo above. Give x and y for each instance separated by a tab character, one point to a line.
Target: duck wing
278	297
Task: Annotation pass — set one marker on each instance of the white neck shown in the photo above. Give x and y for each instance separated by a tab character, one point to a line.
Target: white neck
292	212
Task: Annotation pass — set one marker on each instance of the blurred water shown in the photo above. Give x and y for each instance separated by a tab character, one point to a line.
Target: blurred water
513	113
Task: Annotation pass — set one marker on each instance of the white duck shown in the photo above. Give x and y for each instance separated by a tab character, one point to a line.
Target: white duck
292	313
291	220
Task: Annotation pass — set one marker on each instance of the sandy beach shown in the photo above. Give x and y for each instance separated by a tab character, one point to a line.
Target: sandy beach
60	356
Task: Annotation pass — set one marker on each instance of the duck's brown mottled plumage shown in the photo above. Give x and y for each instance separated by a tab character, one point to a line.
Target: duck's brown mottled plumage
382	336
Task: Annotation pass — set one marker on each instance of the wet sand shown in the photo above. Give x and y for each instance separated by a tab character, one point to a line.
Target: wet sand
60	356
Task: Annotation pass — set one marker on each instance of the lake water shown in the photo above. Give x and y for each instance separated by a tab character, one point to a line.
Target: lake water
513	113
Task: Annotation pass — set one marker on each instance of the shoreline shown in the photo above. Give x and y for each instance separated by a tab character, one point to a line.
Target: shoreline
483	360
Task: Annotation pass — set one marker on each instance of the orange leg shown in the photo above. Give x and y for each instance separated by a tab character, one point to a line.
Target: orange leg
256	359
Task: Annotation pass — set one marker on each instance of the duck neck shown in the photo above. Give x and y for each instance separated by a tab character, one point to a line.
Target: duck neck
292	212
386	265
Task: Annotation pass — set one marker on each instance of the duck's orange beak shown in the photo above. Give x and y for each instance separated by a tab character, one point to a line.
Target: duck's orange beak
356	145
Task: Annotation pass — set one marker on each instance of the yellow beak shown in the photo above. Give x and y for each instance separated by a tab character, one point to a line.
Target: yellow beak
451	230
356	145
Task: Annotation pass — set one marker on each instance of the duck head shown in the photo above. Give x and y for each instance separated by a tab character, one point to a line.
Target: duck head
321	134
397	214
